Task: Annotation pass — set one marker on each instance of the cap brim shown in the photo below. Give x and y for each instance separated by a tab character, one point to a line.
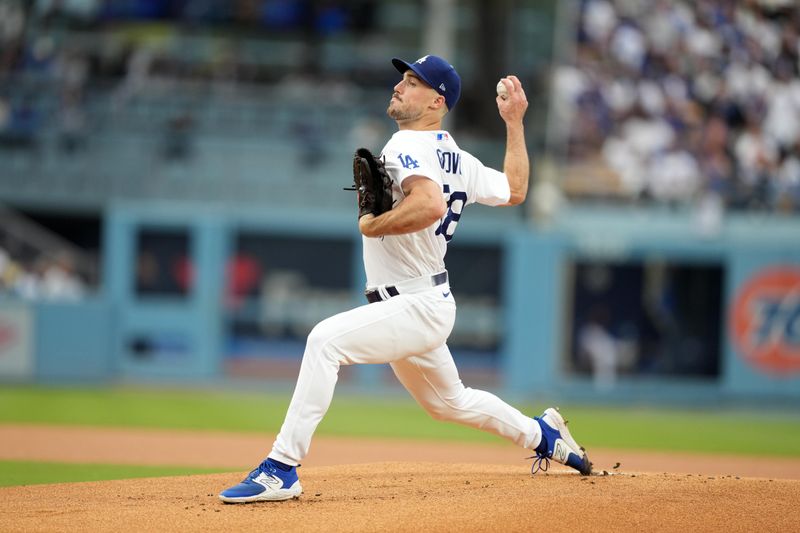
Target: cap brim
403	66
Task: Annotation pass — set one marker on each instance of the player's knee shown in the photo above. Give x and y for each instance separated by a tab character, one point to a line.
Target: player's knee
316	341
447	408
319	342
439	410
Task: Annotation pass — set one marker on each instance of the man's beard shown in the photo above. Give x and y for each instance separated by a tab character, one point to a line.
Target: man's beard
397	113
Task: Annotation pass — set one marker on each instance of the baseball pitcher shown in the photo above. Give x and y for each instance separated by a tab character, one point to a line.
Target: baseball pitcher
410	200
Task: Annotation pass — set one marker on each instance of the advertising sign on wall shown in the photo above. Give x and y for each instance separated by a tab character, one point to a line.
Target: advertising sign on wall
16	346
765	321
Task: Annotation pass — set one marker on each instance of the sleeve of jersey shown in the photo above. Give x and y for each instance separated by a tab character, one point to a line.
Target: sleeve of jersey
487	186
404	159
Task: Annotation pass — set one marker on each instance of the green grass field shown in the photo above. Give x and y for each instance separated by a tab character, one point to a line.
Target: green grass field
31	473
598	427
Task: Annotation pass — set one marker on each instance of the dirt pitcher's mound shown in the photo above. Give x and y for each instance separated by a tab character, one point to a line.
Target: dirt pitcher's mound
415	497
241	451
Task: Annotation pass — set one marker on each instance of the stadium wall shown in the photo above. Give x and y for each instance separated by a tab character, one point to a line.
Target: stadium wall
100	339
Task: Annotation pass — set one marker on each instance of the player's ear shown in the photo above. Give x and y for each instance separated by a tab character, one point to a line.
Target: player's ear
438	102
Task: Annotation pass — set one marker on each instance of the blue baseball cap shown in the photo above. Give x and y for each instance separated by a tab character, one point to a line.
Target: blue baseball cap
437	73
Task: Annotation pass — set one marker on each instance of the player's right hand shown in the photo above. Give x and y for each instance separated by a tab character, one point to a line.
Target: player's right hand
513	108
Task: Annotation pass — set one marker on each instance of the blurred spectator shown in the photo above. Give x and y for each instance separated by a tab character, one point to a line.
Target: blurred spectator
684	97
673	175
785	192
72	72
310	142
19	123
782	121
716	165
12	27
178	142
72	122
159	273
41	278
39	56
137	75
244	275
5	270
59	281
756	157
597	345
26	283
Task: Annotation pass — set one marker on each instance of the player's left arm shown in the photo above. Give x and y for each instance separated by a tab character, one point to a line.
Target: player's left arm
422	206
516	165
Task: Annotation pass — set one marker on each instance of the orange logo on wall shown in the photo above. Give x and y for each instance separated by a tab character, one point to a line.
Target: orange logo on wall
765	320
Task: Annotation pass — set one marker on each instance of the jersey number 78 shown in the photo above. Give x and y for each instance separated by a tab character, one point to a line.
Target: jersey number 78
455	205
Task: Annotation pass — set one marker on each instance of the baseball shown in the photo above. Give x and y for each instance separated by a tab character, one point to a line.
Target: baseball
502	92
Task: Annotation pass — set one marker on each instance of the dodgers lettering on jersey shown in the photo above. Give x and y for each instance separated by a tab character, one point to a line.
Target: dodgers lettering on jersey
463	180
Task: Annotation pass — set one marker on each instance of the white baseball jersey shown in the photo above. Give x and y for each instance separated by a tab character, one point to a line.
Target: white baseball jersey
463	179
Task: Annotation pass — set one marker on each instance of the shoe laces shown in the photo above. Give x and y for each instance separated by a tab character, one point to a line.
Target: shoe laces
540	463
266	467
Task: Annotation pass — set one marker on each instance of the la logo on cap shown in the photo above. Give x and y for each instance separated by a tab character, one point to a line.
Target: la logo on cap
422	59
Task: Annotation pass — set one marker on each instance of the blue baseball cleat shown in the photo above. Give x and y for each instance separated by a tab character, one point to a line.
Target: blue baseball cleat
267	482
558	444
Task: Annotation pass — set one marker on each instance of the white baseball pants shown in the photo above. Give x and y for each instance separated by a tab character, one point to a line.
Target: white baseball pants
408	331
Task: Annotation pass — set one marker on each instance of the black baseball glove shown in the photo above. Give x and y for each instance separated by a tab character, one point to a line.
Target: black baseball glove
372	184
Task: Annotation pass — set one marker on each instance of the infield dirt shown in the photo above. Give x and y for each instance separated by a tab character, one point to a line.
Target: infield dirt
350	485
